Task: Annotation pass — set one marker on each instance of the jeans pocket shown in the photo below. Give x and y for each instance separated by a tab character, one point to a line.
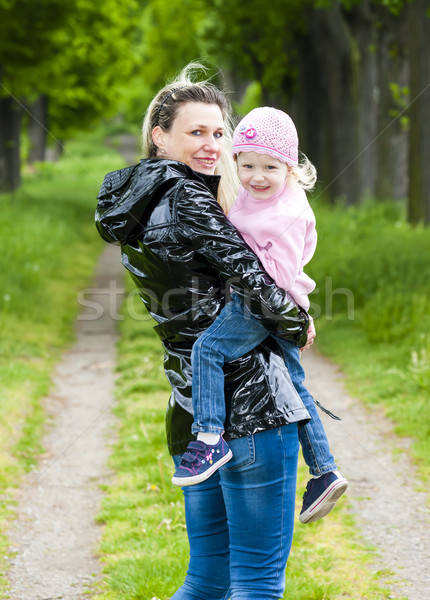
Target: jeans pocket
243	453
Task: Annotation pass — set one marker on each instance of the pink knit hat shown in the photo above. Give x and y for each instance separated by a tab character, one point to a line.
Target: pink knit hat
268	130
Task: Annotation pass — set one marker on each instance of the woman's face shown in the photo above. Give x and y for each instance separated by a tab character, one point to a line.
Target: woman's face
196	137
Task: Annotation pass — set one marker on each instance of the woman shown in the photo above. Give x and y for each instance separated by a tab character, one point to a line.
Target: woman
183	254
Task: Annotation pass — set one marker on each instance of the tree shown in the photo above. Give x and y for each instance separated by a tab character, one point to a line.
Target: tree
170	38
10	126
37	115
256	41
340	68
354	67
26	28
419	113
392	134
335	57
75	54
94	58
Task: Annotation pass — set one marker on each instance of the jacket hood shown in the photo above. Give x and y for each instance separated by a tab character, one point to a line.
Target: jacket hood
126	194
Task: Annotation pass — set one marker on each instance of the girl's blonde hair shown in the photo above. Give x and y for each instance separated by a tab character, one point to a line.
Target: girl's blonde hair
163	109
305	173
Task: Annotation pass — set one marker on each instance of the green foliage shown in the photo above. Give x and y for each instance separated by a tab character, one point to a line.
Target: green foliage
251	99
164	47
394	6
77	53
373	284
369	250
252	42
161	49
26	37
95	57
268	32
401	96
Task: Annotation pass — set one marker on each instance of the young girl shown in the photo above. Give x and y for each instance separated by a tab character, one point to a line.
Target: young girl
275	219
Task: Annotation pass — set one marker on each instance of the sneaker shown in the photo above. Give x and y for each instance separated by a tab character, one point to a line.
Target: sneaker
200	461
321	495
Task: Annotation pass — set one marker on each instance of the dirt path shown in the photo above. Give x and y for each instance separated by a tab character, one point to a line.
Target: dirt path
55	534
391	513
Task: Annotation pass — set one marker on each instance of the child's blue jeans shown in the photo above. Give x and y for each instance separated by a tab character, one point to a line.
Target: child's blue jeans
234	333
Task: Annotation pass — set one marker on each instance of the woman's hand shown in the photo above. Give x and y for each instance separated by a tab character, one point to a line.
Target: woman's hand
311	335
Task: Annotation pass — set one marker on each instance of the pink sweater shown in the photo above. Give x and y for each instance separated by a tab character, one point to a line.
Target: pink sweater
281	231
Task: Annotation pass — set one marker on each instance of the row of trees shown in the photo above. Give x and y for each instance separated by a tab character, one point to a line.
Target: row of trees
61	64
354	74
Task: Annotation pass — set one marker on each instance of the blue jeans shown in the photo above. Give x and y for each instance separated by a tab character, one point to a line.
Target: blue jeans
240	521
234	333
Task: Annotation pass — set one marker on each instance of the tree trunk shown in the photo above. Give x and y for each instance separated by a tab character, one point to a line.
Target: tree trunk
336	55
353	72
392	140
361	21
10	130
310	113
419	113
37	128
54	151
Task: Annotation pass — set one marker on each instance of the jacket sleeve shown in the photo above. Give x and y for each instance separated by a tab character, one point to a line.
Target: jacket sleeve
201	222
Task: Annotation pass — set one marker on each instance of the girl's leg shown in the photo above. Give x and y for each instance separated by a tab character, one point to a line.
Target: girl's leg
234	333
313	439
323	491
259	485
208	575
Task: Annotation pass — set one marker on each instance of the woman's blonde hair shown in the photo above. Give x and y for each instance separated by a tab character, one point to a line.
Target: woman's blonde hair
163	109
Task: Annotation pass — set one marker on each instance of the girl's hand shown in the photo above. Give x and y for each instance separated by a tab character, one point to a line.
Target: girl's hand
311	335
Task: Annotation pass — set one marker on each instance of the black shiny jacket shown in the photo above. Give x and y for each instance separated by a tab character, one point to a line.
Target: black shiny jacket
183	254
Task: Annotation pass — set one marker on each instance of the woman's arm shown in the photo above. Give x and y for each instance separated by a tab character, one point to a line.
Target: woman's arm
201	222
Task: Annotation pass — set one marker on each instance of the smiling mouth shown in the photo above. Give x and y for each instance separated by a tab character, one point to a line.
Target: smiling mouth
260	188
205	161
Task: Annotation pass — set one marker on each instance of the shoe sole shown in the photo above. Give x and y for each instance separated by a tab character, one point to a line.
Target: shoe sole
324	504
194	479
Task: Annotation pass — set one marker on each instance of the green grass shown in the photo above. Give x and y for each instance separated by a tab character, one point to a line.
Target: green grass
144	546
48	250
373	277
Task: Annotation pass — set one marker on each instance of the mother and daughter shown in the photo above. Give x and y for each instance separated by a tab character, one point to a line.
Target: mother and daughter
275	219
234	367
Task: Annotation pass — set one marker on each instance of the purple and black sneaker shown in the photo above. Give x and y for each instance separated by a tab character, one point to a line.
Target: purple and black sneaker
321	495
200	461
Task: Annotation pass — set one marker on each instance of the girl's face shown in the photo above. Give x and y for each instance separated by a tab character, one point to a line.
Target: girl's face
195	138
261	174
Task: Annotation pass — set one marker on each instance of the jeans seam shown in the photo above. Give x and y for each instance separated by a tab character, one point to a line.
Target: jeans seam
199	380
311	446
318	470
281	545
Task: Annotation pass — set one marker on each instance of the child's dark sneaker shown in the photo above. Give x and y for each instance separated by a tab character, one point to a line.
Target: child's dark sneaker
200	461
321	495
